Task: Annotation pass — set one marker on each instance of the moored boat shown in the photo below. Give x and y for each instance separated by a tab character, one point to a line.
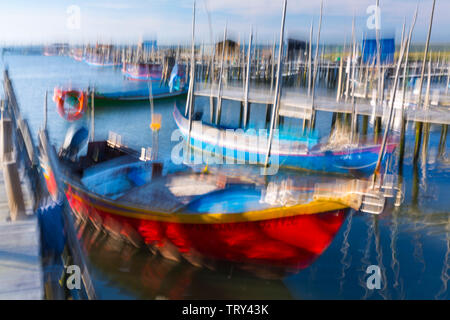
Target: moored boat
143	71
290	152
198	215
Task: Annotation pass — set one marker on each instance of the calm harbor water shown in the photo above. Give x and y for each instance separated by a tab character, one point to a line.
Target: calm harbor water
410	244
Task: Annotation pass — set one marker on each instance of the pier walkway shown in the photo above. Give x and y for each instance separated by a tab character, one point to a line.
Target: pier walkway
21	274
27	269
21	271
298	105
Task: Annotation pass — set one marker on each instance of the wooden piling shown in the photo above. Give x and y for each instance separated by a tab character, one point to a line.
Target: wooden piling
92	116
14	193
247	82
419	102
442	140
365	124
405	73
6	144
377	129
219	94
316	62
45	110
276	96
339	88
310	59
192	82
11	177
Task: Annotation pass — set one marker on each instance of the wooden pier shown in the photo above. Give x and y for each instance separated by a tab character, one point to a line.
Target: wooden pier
25	266
297	105
21	274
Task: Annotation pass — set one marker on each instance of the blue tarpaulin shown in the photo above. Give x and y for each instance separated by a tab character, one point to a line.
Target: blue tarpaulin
52	226
387	47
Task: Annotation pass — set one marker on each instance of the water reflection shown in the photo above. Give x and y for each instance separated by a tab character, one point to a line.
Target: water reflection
144	275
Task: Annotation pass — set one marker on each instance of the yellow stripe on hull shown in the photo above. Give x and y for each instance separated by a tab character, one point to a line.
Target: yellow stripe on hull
313	207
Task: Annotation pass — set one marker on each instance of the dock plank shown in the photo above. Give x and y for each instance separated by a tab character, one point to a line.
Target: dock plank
21	275
20	262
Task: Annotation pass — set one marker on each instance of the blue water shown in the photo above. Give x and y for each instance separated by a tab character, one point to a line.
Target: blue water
410	244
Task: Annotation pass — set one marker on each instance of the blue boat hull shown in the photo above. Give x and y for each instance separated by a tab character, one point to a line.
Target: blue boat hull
359	160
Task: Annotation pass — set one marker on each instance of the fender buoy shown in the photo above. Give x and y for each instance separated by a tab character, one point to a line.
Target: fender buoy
72	114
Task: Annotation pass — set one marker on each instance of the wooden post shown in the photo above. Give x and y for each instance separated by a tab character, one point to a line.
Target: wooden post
310	59
14	193
353	70
391	109
11	177
212	77
443	140
339	88
419	102
448	80
366	80
247	81
45	111
268	112
6	144
405	74
272	73
316	58
219	94
241	114
426	127
365	124
92	116
192	82
276	97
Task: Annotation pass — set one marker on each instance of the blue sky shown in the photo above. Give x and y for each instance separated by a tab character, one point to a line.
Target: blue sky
170	20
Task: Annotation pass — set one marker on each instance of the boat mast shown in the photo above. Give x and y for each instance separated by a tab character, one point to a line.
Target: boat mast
316	61
247	79
391	108
276	97
353	70
191	82
405	80
92	116
422	73
219	94
45	110
377	39
309	58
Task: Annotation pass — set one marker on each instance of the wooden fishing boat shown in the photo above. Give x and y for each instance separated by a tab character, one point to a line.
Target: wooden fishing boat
143	71
127	91
77	54
137	94
290	152
198	215
174	85
100	61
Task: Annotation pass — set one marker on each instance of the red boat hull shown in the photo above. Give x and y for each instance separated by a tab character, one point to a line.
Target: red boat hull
293	242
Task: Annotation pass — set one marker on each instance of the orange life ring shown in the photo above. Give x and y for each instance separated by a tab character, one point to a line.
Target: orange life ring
59	96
